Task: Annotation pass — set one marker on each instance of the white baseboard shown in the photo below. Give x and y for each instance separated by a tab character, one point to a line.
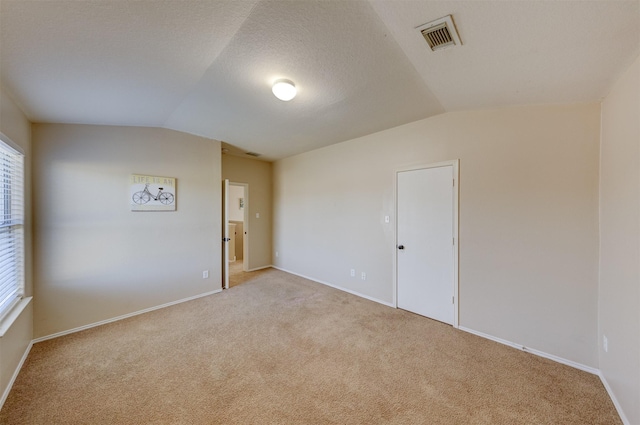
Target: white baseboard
337	287
462	328
561	360
124	316
534	351
623	417
259	268
15	375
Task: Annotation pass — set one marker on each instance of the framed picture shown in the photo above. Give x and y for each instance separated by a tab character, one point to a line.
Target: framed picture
152	193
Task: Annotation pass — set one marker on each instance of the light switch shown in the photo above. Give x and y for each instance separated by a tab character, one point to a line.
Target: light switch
386	218
257	215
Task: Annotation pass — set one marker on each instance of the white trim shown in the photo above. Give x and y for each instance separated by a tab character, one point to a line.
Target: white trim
414	167
539	353
456	242
623	417
12	314
337	287
15	375
12	144
124	316
225	233
455	164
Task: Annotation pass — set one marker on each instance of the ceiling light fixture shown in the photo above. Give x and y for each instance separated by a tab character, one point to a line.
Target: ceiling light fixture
284	89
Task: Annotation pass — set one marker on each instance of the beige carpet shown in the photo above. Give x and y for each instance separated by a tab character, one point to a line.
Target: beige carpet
238	276
282	350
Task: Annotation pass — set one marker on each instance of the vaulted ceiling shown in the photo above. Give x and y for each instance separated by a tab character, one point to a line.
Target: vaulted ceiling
206	67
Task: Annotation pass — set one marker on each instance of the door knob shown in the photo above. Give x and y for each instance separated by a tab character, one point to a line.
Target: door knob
400	246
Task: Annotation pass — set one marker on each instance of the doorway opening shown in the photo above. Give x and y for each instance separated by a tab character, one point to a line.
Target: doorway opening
238	231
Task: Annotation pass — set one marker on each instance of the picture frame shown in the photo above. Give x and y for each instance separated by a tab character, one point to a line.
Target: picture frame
152	193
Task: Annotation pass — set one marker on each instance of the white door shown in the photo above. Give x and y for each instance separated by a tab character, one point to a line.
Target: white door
225	234
425	254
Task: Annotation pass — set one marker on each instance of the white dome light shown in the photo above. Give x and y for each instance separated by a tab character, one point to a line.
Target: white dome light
284	90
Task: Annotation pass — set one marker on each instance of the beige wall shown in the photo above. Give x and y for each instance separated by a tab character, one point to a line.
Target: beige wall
257	174
15	125
619	301
15	341
13	122
235	212
94	258
239	239
528	218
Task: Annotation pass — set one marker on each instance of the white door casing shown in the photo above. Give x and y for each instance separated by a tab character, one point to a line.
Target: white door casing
427	251
225	234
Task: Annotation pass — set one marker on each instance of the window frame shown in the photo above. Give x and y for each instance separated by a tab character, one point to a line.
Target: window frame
12	191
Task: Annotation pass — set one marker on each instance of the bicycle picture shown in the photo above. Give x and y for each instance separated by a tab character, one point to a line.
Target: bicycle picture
152	193
145	196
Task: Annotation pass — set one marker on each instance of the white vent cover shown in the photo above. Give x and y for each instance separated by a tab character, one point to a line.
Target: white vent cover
440	33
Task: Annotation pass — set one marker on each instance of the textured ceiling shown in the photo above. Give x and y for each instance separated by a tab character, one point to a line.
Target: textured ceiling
206	67
520	52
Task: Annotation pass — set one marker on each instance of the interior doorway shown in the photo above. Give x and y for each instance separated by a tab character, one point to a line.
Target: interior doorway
238	229
427	247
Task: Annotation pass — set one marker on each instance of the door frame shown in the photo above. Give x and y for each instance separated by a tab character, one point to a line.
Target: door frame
456	242
245	226
225	233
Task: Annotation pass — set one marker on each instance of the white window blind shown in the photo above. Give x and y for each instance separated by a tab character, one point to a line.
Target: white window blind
11	227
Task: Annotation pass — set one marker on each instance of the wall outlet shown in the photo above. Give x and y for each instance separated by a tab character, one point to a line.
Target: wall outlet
353	272
363	276
605	344
277	253
257	215
205	274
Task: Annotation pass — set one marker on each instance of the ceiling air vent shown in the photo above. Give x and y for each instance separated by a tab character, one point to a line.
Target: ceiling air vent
440	33
252	154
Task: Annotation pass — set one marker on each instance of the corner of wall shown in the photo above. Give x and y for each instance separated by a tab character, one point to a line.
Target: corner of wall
619	245
15	343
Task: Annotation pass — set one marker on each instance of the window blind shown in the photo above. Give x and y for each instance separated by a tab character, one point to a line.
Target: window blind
11	227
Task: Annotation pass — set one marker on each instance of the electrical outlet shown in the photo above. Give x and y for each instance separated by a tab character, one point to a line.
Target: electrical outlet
277	253
605	344
205	274
353	272
363	276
